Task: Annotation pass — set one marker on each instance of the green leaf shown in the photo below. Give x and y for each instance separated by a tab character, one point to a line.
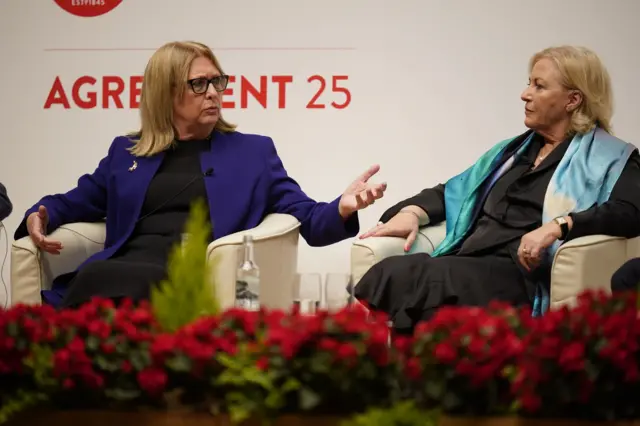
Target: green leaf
308	399
258	377
12	329
92	343
291	384
240	407
188	292
140	360
228	361
180	363
404	413
105	364
41	363
228	377
122	394
274	400
450	401
434	389
20	401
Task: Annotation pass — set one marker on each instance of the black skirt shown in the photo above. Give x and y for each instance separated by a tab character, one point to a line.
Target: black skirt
410	288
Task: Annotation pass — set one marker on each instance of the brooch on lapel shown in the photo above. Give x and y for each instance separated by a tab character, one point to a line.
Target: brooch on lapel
135	166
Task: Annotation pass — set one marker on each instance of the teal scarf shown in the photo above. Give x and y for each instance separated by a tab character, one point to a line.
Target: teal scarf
584	177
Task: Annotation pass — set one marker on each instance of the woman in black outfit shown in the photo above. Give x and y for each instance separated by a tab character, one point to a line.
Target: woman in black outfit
503	256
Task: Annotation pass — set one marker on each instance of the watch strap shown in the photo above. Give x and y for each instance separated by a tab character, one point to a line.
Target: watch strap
564	227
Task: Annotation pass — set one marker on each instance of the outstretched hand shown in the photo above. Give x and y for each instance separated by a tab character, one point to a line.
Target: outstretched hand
361	193
36	226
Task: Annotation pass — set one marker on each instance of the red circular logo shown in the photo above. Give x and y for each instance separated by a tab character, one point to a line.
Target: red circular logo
88	8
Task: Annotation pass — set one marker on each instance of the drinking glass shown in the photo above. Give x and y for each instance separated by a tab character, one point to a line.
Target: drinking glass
307	292
338	291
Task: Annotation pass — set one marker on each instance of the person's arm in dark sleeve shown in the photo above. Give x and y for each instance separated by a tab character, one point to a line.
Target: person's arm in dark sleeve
618	217
430	200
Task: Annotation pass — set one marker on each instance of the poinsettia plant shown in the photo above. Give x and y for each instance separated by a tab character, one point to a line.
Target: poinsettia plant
325	363
95	355
23	328
582	362
457	361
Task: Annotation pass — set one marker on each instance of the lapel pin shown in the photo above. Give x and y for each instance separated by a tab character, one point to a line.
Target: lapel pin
135	166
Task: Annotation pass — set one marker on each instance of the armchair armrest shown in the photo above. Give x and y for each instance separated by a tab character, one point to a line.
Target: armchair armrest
33	270
366	253
276	253
588	263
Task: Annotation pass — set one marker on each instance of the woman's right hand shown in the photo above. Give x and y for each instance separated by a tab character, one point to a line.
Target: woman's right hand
37	225
404	224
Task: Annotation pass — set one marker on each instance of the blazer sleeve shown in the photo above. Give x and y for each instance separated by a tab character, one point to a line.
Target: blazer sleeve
87	202
431	200
321	223
618	217
5	203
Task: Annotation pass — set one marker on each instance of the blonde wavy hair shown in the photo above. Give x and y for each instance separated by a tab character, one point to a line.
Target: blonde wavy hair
165	78
582	70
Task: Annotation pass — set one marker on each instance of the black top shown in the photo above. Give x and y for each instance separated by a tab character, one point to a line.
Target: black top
514	205
178	182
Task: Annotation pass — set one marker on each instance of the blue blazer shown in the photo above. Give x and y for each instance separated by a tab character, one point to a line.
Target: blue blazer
248	181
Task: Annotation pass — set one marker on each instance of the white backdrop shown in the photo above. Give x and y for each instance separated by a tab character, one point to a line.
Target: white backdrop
433	84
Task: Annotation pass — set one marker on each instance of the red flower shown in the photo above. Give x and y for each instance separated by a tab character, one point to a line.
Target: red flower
152	380
413	368
572	357
263	363
61	362
445	353
328	344
530	402
378	336
99	328
347	353
162	346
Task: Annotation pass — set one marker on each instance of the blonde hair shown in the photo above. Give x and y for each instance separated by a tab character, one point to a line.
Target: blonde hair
582	70
165	78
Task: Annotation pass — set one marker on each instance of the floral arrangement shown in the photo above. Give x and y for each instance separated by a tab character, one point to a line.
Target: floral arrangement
579	363
245	363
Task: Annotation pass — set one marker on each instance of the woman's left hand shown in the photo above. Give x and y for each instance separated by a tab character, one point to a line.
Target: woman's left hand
534	245
361	193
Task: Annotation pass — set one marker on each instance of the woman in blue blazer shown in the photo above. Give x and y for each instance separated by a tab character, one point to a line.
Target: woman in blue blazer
148	181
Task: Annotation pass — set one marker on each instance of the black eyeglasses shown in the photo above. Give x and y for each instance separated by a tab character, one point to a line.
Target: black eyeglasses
201	84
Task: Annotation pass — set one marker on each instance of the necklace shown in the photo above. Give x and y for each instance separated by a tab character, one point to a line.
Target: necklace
542	157
545	155
539	160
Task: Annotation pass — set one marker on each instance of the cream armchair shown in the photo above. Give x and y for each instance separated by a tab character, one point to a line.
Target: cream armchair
581	264
275	249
